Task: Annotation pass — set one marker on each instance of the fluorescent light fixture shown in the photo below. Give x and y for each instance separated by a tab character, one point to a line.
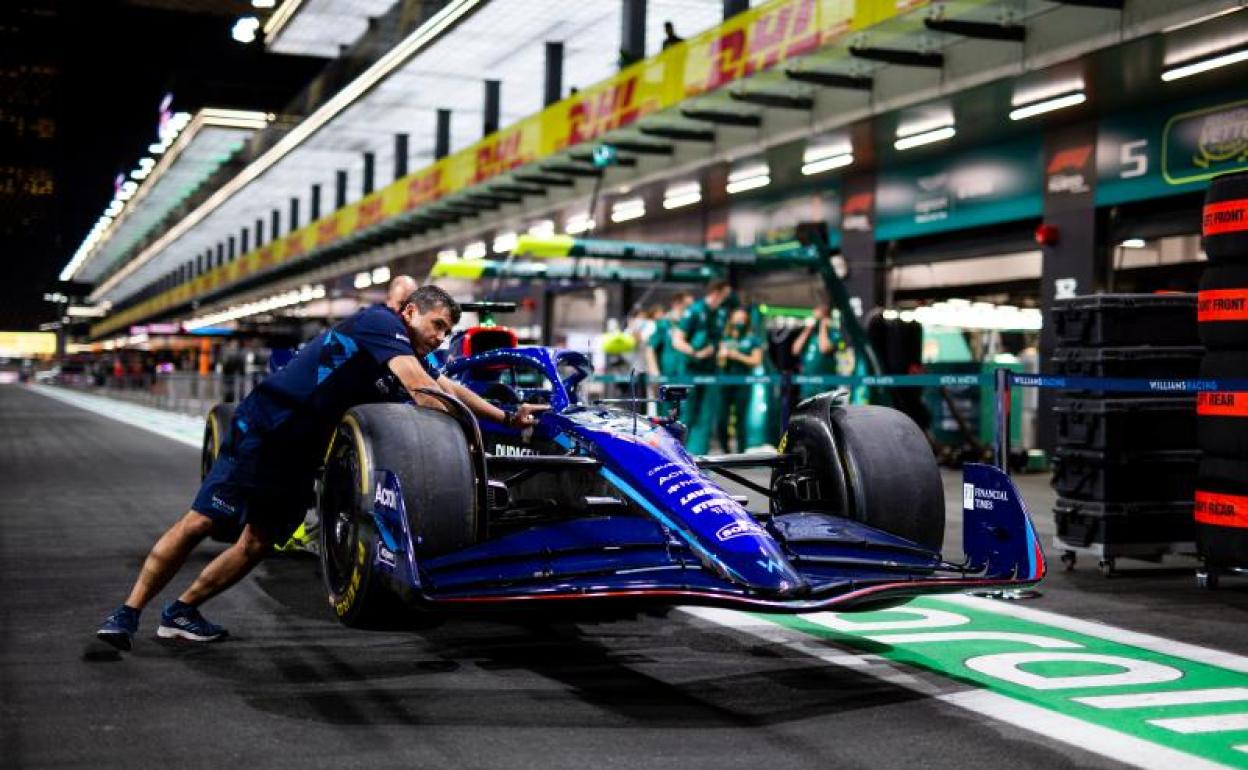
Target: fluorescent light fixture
448	255
475	250
1204	65
542	229
925	137
244	30
749	177
274	302
827	164
263	3
628	209
85	311
1133	243
961	314
503	243
1199	20
421	37
679	195
1048	105
381	274
363	280
578	223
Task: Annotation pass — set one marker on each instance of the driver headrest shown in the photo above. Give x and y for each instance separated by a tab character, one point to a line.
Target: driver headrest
479	339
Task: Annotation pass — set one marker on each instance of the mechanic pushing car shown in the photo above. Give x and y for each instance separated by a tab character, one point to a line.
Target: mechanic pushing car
263	479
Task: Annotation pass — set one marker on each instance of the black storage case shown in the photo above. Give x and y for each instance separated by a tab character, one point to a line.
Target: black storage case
1124	477
1107	320
1082	523
1170	363
1126	424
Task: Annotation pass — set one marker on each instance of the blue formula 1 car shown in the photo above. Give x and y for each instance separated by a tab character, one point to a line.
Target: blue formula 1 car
442	511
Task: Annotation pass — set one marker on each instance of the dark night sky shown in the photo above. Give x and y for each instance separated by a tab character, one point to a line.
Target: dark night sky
116	60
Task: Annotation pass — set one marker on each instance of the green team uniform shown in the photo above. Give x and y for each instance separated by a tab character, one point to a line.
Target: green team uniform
702	327
671	361
735	401
815	361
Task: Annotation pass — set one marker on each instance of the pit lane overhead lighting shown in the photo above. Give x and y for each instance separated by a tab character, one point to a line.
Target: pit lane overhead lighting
263	3
1048	105
381	274
503	243
1205	64
825	157
448	255
245	29
475	250
679	195
578	223
542	229
363	280
963	314
628	209
285	299
907	141
1133	243
748	178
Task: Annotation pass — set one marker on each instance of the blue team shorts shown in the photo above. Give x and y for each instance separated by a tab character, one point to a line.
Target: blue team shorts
257	480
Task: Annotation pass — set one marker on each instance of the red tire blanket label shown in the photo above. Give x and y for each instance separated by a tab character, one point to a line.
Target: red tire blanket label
1221	509
1222	404
1225	217
1222	305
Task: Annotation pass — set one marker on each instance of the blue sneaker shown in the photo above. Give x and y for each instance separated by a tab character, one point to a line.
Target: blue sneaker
119	628
185	622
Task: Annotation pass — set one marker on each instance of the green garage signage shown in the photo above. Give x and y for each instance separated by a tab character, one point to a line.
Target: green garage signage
999	183
1152	154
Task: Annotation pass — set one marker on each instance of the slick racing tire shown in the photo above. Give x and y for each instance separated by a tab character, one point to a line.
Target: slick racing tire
1224	220
1221	508
216	435
217	429
428	454
872	464
1223	307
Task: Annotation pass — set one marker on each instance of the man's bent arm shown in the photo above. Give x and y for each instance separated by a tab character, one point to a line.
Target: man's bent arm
413	376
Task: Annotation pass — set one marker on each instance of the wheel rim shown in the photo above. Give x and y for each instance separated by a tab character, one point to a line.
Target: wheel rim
338	519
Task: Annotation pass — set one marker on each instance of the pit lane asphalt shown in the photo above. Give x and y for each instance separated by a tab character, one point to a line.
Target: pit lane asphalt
82	497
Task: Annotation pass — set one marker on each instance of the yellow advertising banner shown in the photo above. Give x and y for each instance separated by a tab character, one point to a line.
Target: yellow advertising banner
26	344
750	42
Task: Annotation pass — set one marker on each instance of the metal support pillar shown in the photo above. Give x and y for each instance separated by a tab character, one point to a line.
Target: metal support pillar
554	73
400	156
733	7
259	232
275	228
491	108
294	214
314	203
632	31
370	162
340	189
442	135
244	240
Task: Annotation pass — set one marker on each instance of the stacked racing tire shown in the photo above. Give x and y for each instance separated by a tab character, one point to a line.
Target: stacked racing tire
1221	498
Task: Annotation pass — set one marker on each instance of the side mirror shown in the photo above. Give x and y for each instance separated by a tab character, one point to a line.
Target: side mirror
674	393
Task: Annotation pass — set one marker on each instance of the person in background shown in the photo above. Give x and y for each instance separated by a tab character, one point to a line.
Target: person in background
696	337
401	287
670	38
663	360
816	347
740	353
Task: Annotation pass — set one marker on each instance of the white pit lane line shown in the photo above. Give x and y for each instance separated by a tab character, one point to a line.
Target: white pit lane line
178	427
1059	727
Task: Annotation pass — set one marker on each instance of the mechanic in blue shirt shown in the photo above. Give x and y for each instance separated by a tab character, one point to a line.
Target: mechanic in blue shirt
263	479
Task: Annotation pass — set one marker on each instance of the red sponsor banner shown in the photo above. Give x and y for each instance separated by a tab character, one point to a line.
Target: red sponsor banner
423	189
327	231
1221	509
609	108
267	257
1225	217
294	245
1222	404
369	213
1222	305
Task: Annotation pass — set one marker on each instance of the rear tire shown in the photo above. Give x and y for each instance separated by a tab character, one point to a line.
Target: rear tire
428	453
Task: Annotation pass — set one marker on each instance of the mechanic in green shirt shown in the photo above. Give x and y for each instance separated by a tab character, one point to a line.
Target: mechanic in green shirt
740	353
663	360
696	336
818	347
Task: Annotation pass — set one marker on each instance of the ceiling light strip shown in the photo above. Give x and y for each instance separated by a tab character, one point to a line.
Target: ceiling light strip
1204	65
412	44
1048	105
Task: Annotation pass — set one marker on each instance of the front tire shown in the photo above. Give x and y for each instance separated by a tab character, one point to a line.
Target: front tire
867	463
427	451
